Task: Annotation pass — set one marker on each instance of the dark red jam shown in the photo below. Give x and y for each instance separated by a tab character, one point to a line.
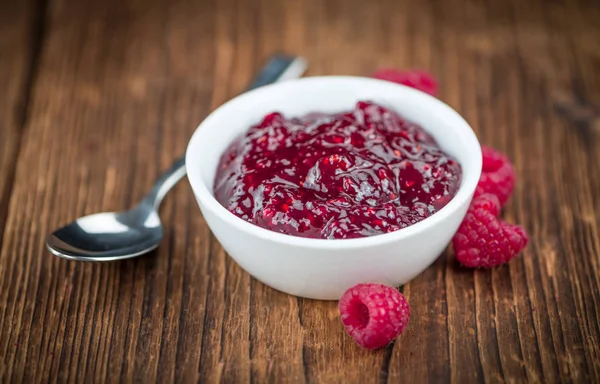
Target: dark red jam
336	176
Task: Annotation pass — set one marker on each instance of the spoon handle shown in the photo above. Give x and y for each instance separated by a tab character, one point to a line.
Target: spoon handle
279	68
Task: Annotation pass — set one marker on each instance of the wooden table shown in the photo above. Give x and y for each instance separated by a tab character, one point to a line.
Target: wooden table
99	96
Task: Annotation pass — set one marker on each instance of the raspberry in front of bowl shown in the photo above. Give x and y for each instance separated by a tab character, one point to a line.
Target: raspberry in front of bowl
357	173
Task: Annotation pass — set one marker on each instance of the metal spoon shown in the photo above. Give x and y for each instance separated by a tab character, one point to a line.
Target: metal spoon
121	235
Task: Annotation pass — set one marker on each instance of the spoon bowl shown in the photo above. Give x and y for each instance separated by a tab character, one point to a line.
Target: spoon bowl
108	236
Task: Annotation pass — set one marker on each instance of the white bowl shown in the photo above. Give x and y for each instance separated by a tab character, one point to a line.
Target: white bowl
318	268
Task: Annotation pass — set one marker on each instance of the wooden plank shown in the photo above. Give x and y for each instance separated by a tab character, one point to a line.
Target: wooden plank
121	87
21	29
19	46
116	100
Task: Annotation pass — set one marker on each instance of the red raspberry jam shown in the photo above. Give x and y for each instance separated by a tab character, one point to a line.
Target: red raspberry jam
346	175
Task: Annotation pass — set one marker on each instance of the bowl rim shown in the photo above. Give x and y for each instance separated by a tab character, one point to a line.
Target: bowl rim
465	191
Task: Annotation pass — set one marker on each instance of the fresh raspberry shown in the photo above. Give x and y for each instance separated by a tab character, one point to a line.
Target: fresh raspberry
373	314
497	175
417	79
483	240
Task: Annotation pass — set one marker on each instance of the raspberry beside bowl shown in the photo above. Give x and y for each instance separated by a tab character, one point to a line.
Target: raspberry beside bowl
318	268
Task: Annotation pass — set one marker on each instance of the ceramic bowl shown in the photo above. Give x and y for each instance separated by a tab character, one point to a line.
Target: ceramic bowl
318	268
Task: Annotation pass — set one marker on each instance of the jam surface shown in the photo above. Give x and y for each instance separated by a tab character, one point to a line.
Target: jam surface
336	176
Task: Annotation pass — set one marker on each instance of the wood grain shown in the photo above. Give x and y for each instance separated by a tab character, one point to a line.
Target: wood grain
100	96
19	44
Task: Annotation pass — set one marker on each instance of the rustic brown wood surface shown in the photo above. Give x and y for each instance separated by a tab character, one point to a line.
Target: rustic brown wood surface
98	96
